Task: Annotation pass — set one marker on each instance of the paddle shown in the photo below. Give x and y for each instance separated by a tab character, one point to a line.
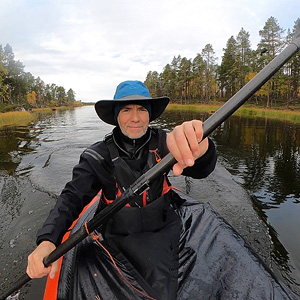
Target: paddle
168	161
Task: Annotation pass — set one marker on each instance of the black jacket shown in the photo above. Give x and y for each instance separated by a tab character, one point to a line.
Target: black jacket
94	172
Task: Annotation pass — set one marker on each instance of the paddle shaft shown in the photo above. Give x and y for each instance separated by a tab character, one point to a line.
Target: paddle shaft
168	161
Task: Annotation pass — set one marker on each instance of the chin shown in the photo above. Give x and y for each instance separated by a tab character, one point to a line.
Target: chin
135	135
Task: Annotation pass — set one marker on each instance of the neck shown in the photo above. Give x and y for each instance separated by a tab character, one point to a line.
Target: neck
128	145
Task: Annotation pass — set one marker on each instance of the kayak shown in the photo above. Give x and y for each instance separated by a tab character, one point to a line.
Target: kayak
174	248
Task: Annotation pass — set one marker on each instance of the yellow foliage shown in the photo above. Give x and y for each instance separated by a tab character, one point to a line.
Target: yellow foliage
250	76
31	98
264	90
77	103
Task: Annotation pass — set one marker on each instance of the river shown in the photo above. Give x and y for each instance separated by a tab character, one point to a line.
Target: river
36	161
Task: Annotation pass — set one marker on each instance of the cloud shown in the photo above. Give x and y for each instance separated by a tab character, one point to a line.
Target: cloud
90	46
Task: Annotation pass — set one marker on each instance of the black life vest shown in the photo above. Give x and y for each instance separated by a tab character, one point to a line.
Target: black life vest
124	176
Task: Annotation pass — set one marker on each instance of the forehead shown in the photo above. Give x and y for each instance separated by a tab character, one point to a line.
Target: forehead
131	106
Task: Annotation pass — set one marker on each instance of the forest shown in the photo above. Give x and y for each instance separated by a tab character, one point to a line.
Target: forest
187	81
20	89
201	80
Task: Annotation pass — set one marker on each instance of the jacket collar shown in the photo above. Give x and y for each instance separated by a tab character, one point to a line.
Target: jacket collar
129	146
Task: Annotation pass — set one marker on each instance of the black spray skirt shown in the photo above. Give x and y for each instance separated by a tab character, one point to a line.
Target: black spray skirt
174	248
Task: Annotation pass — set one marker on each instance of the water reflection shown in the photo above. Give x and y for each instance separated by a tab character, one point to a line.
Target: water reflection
169	119
263	155
268	156
14	142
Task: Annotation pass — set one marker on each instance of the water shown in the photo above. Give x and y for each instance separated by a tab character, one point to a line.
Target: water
264	156
36	161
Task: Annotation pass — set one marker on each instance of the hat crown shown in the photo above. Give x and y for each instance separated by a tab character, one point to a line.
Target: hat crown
128	88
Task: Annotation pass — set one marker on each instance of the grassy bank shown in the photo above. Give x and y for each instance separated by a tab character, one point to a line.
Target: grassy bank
23	118
245	111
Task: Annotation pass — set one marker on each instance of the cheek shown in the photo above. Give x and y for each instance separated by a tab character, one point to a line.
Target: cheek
121	120
146	118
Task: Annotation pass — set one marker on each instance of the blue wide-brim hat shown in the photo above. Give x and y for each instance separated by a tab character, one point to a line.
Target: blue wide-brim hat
130	92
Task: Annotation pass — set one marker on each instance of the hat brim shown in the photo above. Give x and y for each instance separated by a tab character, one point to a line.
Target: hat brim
105	108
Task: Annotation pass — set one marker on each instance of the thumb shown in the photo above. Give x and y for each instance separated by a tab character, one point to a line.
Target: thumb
177	169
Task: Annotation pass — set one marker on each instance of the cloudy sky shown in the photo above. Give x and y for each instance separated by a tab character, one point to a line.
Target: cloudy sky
92	45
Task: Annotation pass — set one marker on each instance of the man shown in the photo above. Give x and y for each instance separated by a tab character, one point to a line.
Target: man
115	163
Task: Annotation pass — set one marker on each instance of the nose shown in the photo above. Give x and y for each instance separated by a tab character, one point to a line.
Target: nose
135	115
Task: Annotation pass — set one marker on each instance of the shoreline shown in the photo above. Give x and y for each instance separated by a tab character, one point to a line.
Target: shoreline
246	110
25	117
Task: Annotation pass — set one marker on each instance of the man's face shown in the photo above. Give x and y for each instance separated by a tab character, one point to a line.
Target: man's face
133	120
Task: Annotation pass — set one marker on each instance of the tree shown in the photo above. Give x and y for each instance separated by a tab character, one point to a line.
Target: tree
184	77
271	37
209	58
61	95
200	78
71	96
15	84
228	71
152	83
168	77
28	83
244	54
53	91
31	98
271	44
39	87
198	69
294	65
4	94
13	79
175	65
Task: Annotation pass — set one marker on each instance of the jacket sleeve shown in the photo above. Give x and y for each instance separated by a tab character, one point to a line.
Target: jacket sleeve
90	175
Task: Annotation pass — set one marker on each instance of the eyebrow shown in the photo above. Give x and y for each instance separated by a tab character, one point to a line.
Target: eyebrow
130	105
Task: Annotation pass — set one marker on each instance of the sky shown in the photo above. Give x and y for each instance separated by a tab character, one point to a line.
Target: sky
93	45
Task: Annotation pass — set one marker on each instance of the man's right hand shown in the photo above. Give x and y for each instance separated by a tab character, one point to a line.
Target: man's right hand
35	267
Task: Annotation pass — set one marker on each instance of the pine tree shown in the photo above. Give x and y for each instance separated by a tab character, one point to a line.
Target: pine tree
198	68
184	77
209	58
243	56
168	77
228	71
271	44
295	70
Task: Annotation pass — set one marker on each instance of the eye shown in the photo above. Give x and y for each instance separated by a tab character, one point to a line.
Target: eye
125	109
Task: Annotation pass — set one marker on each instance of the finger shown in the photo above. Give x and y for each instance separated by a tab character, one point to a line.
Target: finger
193	133
198	127
182	136
203	146
37	271
54	269
173	147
